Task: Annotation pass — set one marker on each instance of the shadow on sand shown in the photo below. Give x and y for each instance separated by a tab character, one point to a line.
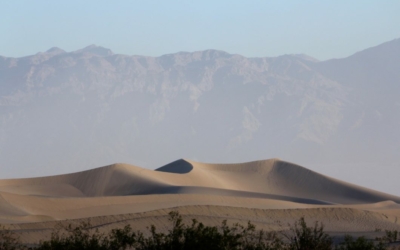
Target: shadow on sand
177	167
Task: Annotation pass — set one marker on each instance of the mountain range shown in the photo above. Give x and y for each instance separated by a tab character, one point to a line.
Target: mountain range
69	111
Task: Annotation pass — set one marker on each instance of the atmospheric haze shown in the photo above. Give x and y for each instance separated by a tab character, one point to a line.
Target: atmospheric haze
71	111
257	111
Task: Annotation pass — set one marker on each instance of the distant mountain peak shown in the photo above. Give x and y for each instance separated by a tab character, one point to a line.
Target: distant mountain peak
213	53
95	50
204	54
306	57
390	49
55	50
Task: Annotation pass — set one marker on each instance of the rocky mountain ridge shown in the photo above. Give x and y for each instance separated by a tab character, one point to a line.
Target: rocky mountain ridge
92	107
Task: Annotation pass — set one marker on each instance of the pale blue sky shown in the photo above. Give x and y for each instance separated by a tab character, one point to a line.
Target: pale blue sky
322	29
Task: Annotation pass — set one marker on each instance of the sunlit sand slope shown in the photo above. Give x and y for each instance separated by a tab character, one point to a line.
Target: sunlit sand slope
271	185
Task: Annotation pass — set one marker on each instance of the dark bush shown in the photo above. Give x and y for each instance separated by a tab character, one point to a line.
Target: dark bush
307	238
361	243
390	236
79	237
195	236
8	240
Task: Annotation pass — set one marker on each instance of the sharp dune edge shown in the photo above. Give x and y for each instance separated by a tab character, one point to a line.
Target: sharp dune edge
270	193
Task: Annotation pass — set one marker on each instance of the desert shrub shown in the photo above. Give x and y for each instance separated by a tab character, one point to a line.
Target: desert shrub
120	238
8	240
197	236
78	237
390	236
361	243
180	236
306	238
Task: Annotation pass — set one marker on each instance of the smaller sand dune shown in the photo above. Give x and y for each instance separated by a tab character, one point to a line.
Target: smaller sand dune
337	221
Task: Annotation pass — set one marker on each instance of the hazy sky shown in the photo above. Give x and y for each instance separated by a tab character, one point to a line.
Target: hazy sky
321	29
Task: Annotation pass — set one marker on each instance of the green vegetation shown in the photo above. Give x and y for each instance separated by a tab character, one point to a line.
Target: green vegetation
197	236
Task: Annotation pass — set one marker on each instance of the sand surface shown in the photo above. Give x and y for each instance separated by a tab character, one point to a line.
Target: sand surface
270	193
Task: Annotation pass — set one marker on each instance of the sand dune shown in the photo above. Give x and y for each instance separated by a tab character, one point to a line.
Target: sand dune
271	186
269	177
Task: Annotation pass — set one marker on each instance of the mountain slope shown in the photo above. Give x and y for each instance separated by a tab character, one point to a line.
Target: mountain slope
207	105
